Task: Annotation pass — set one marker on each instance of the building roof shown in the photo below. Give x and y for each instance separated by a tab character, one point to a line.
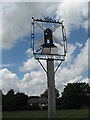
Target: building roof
37	100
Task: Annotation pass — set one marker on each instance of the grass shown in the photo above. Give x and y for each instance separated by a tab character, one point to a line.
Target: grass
79	113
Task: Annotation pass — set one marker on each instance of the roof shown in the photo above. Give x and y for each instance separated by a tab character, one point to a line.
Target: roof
43	100
37	100
48	45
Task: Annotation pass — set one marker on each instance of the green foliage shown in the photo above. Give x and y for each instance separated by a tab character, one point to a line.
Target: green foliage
8	100
75	95
21	99
45	94
13	101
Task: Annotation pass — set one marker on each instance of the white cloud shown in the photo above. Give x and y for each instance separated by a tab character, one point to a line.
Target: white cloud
29	1
30	65
85	80
17	18
29	53
74	72
16	23
78	44
9	80
85	24
6	65
73	14
76	79
69	56
43	1
0	25
34	82
70	51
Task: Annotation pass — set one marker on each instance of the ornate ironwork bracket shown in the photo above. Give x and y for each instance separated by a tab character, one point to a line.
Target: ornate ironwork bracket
42	65
57	67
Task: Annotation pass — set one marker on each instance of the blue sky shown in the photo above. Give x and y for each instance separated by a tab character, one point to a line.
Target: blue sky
16	55
20	70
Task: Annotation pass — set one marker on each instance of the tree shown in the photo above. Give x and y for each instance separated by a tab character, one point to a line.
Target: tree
10	93
75	95
45	94
21	99
9	98
12	101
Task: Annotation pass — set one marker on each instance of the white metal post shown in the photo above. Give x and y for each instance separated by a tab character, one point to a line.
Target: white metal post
51	89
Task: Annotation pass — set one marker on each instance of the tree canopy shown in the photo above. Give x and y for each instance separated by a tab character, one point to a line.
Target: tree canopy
12	101
75	95
46	93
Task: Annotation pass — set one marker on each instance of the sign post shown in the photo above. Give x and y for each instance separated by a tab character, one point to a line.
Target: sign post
48	52
51	89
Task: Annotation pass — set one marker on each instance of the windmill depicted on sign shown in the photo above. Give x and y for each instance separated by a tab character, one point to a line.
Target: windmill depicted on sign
46	49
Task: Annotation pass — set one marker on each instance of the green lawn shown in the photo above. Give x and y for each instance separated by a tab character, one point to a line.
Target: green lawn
81	113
